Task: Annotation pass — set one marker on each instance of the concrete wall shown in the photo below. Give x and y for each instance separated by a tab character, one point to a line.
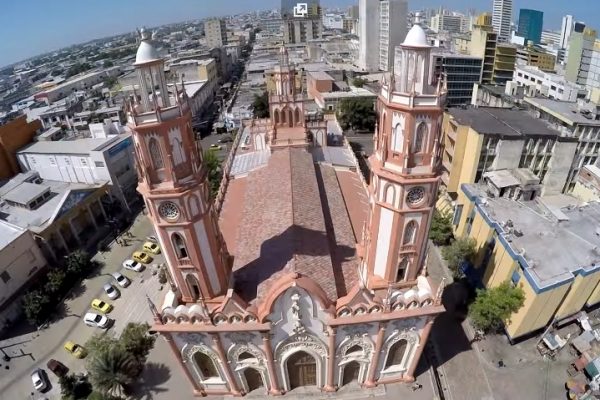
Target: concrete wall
508	154
19	261
559	167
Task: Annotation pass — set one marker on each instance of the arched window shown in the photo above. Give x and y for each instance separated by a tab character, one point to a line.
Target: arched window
178	154
206	365
398	138
396	353
355	349
179	246
283	116
297	116
402	267
276	116
155	154
410	233
193	286
420	138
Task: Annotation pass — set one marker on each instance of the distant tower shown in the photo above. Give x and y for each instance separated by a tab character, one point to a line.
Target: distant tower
565	31
286	106
405	167
502	18
174	183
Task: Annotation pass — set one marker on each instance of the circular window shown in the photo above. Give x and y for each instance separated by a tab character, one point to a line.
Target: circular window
168	210
415	195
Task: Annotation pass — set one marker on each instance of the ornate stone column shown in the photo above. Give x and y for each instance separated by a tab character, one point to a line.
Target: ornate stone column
230	378
409	376
370	381
274	385
329	386
169	339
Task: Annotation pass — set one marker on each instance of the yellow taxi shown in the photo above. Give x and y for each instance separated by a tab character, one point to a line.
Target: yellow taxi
101	306
76	350
142	257
151	248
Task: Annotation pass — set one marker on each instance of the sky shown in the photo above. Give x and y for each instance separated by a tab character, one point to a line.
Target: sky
32	27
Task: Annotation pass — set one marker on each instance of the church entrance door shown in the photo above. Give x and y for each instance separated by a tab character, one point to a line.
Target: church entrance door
302	370
253	379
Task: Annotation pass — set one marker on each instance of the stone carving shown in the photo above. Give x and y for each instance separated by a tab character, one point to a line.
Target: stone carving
240	337
193	338
300	341
188	352
234	354
296	316
362	341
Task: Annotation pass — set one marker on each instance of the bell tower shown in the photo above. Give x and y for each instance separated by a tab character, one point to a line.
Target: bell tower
286	105
405	167
174	181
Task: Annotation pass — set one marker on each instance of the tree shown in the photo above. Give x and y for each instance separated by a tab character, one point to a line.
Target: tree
55	280
112	370
74	387
214	171
77	69
493	307
35	304
260	105
457	252
77	262
108	64
136	341
359	82
357	114
441	228
100	343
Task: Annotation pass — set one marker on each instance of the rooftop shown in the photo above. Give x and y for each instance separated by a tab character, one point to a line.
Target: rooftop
503	122
553	238
567	111
8	234
78	146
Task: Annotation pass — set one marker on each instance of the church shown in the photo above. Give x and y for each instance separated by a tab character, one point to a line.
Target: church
298	274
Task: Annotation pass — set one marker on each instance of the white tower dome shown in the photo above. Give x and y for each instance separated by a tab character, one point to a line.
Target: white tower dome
146	52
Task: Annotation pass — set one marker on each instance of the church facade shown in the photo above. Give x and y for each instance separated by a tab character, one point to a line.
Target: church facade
305	277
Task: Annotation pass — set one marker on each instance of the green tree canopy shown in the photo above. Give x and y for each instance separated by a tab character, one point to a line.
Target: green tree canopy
359	82
112	370
55	280
357	114
35	304
460	250
77	262
260	105
441	228
214	171
493	307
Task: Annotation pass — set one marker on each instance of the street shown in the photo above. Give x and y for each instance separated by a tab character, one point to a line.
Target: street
33	349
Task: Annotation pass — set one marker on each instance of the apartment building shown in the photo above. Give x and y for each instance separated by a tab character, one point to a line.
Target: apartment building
215	31
461	72
547	84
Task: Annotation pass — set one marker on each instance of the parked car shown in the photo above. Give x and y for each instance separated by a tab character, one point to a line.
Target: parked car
142	257
111	291
121	279
59	369
152	248
96	320
133	265
101	306
39	379
76	350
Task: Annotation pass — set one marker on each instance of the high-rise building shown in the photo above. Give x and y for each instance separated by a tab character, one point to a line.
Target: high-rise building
301	24
448	23
565	31
582	49
216	32
502	18
461	71
498	58
382	27
530	25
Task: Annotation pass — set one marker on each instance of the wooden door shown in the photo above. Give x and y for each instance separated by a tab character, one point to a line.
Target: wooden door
302	370
253	379
351	371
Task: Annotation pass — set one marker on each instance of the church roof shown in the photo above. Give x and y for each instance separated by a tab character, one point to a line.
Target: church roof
290	217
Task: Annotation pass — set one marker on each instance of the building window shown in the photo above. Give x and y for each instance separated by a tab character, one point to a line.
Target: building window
99	164
396	353
5	276
206	366
420	138
402	267
410	233
457	214
155	154
179	246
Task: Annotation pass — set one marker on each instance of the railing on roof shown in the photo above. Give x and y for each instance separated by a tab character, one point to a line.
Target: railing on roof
226	168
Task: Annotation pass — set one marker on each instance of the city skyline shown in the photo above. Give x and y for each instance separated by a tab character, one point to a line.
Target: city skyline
55	25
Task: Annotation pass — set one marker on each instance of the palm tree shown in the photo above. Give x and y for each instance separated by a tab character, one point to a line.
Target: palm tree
112	370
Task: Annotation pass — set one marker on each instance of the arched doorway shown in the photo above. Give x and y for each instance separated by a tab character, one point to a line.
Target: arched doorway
253	379
351	372
302	370
205	365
